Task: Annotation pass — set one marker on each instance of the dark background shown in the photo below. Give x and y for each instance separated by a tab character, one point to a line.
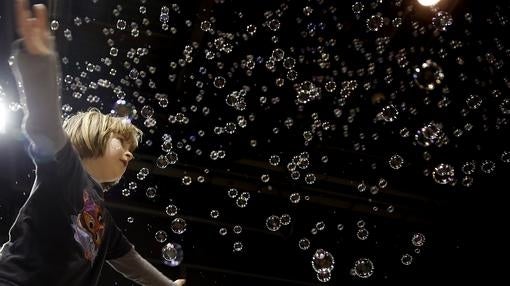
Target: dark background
463	225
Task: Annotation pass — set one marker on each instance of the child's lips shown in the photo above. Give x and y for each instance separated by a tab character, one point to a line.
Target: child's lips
124	162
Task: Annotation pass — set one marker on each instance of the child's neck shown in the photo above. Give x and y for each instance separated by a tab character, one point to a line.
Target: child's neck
91	169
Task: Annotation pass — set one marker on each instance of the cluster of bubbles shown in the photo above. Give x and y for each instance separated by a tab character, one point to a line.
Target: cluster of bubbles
418	241
236	100
323	264
289	69
274	222
307	91
389	113
362	233
299	162
431	134
442	20
240	200
373	189
319	226
142	174
170	157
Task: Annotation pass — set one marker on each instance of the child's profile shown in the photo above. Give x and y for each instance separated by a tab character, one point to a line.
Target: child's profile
75	161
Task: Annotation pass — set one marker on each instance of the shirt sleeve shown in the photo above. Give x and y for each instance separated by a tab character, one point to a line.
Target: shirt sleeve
37	81
136	268
119	245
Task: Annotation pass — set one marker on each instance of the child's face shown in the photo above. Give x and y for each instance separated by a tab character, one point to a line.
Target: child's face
112	165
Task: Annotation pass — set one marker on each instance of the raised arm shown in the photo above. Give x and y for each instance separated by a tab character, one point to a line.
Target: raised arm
36	69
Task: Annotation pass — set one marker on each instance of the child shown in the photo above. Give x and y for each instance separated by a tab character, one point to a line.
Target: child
63	234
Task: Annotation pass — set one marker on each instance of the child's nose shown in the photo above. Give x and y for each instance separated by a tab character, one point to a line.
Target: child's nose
129	156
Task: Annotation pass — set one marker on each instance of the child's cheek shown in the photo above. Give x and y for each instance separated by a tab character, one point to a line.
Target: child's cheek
115	145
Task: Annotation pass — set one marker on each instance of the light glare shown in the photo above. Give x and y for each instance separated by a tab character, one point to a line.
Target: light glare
428	2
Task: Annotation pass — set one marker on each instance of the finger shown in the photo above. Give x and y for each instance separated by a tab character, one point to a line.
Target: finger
41	14
22	14
28	36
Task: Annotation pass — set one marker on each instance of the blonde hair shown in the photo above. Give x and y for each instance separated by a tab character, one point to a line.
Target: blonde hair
89	132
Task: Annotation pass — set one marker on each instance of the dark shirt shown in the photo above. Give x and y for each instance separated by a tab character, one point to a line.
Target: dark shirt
63	233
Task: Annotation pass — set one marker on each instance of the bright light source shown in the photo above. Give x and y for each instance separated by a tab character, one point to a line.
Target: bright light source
428	2
4	116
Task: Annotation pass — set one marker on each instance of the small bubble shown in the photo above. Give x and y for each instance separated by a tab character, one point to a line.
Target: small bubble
172	254
363	268
273	223
232	193
219	82
505	157
238	246
171	210
237	229
428	76
396	162
205	26
362	234
121	24
215	213
285	219
54	25
161	236
418	239
375	23
304	243
357	8
295	198
389	113
186	180
178	226
320	225
443	174
406	259
323	261
151	192
324	276
241	202
310	178
274	160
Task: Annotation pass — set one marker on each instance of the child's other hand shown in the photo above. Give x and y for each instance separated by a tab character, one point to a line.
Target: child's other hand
179	282
35	33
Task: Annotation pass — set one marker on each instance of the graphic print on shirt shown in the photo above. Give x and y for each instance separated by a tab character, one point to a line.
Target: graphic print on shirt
89	225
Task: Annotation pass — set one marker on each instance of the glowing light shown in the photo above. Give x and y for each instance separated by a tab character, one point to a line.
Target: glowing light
3	117
428	2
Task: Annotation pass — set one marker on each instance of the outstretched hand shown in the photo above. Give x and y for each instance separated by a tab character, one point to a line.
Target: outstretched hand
180	282
34	30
